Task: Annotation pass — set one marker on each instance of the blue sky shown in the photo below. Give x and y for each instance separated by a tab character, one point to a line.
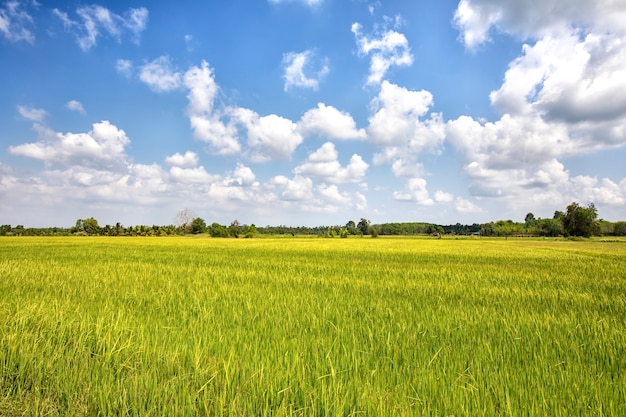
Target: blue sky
310	112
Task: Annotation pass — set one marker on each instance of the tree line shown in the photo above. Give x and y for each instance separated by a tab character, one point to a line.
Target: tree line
576	220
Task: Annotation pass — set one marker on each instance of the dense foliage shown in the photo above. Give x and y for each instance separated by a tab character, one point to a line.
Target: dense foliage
576	221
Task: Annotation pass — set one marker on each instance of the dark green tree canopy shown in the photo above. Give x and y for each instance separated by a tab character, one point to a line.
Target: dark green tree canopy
580	221
198	225
363	226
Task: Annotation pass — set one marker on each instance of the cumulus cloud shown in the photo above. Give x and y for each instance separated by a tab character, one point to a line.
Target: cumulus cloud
465	206
298	189
511	142
530	19
302	194
407	169
14	22
31	113
330	123
443	197
243	176
324	164
387	48
76	106
270	137
197	175
206	121
160	75
395	123
188	160
94	167
95	21
103	146
415	191
301	71
564	95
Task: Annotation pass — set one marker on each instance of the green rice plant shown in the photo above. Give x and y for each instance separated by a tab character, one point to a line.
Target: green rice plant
277	327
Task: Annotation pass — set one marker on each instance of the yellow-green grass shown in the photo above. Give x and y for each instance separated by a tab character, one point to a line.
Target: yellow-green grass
359	326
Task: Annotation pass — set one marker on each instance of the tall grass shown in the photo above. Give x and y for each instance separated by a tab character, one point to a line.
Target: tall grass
178	326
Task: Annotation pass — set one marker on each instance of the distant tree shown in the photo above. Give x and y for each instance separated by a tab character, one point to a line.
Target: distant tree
580	221
251	231
91	227
619	228
487	229
184	218
198	225
78	226
234	229
351	227
217	230
605	228
4	229
530	220
550	227
363	226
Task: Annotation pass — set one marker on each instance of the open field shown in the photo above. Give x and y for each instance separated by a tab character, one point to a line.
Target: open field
359	326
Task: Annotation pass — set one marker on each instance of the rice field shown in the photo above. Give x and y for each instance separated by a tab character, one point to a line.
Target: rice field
312	327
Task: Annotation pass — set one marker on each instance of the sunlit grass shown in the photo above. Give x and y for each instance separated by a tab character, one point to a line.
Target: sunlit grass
179	326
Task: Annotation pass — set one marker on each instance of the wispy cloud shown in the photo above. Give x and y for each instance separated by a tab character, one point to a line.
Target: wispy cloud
14	22
31	113
161	75
76	106
310	3
95	21
385	47
301	70
124	67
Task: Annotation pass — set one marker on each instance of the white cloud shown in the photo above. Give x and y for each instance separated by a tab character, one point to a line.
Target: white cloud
14	22
197	175
76	106
511	142
96	21
387	48
298	189
297	63
396	127
302	195
323	163
563	96
103	146
243	176
160	75
330	123
124	67
465	206
443	197
310	3
31	113
568	79
415	191
269	137
531	19
205	121
188	160
407	169
190	43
